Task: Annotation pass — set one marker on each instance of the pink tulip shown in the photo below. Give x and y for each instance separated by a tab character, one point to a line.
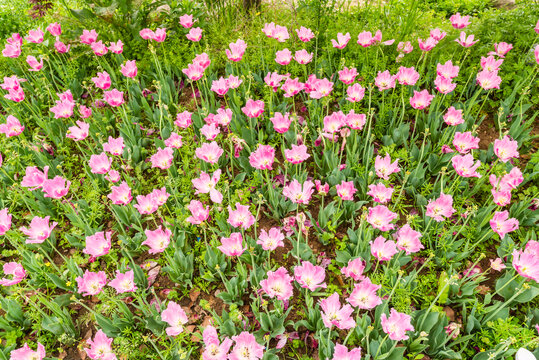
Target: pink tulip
297	154
271	240
444	85
355	121
437	34
102	80
262	158
56	188
298	193
346	190
199	213
116	47
253	109
34	64
124	282
5	221
501	224
280	33
88	36
25	353
334	122
214	349
341	353
157	240
303	56
220	86
233	82
159	35
497	264
210	131
440	208
506	149
85	112
464	142
384	80
194	72
447	70
281	123
278	284
507	182
100	164
384	167
382	249
146	34
98	244
99	48
91	283
55	29
246	344
175	316
79	132
405	47
310	276
236	51
380	217
501	49
241	217
61	47
465	167
466	41
421	99
380	193
408	240
526	264
305	34
209	152
407	76
453	117
163	158
335	315
428	44
268	29
206	184
121	194
292	87
354	269
348	76
203	60
364	296
396	325
146	204
342	41
491	64
459	22
183	120
321	88
100	347
186	21
16	270
365	39
355	93
114	97
12	50
114	146
232	246
283	57
129	69
195	34
501	198
12	127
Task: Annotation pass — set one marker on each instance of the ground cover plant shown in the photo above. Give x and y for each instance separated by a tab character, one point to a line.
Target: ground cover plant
303	180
